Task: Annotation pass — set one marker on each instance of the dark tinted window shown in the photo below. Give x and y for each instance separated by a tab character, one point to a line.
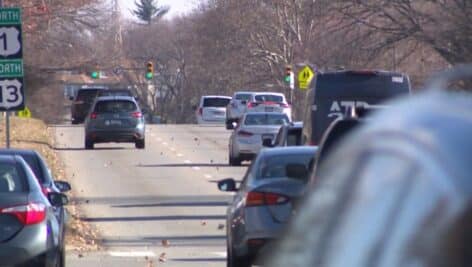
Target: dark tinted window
34	165
243	97
276	166
269	98
11	179
266	119
115	106
215	102
294	137
87	95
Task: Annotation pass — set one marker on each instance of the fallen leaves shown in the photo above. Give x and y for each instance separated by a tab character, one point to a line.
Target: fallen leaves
165	243
221	226
203	223
163	257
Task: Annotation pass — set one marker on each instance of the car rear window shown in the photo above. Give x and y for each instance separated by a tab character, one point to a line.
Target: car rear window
266	119
243	97
215	102
33	164
87	95
294	137
115	106
269	98
276	166
11	179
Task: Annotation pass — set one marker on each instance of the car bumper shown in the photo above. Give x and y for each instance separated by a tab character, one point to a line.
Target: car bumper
213	120
242	146
104	136
28	244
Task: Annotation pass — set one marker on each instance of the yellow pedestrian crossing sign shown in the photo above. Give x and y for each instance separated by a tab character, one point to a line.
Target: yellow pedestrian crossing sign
24	113
304	77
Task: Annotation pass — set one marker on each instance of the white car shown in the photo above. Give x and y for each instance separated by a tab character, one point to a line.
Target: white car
269	102
247	138
236	108
212	109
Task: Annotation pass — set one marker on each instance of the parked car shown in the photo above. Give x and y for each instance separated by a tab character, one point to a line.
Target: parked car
265	201
336	91
30	233
289	135
237	106
115	119
212	109
246	139
269	102
395	192
82	102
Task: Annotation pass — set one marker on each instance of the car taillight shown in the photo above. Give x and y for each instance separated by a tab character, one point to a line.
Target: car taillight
29	214
245	133
252	104
261	198
137	114
46	190
93	115
283	105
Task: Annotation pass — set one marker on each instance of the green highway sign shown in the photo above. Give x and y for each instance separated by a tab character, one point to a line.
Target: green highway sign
10	16
11	68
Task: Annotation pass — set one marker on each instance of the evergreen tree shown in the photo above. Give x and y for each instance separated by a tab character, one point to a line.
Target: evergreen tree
147	10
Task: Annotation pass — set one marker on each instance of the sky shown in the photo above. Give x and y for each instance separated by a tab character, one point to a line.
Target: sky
177	7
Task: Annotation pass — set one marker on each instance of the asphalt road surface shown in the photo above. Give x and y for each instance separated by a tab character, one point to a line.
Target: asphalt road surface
161	202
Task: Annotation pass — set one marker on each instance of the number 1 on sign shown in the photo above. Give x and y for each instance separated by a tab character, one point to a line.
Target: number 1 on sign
3	37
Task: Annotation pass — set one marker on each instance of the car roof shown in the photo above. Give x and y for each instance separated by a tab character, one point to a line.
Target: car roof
115	97
262	113
9	158
439	122
16	151
288	150
269	93
244	92
216	96
377	72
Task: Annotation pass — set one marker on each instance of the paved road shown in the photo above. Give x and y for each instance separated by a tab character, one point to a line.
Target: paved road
138	198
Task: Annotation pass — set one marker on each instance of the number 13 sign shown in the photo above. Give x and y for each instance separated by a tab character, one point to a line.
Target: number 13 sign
11	60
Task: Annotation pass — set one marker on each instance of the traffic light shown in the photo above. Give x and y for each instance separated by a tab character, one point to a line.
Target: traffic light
288	74
95	74
149	70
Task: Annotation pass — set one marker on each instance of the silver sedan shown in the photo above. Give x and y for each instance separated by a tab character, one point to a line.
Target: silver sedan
247	138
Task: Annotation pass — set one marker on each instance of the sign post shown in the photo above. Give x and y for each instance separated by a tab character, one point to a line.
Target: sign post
11	64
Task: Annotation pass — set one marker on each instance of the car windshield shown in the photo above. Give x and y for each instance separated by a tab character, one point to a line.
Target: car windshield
266	119
276	166
10	179
87	95
115	106
215	102
269	98
245	97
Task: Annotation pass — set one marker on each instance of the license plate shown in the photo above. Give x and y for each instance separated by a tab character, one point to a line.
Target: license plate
113	122
269	109
218	112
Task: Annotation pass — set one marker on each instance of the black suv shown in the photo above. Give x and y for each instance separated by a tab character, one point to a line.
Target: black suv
82	102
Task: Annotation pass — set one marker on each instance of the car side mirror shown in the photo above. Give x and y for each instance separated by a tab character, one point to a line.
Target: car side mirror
267	142
297	171
58	199
62	186
227	185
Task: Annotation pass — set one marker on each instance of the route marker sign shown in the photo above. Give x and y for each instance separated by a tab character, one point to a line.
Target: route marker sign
304	77
11	60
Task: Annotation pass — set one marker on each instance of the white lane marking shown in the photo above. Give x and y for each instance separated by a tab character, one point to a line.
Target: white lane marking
208	176
196	168
180	155
187	161
134	254
221	254
165	143
172	149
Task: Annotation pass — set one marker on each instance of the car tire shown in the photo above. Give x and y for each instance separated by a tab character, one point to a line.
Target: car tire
140	144
233	261
88	144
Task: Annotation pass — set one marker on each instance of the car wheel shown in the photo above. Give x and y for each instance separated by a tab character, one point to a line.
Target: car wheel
88	144
140	144
233	261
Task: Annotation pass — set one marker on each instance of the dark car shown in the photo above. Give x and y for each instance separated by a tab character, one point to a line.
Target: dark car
265	201
289	134
115	119
116	92
396	192
335	92
30	232
82	102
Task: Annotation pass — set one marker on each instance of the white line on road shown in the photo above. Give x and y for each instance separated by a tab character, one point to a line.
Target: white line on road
208	176
180	155
196	168
187	161
172	149
219	254
165	143
133	254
